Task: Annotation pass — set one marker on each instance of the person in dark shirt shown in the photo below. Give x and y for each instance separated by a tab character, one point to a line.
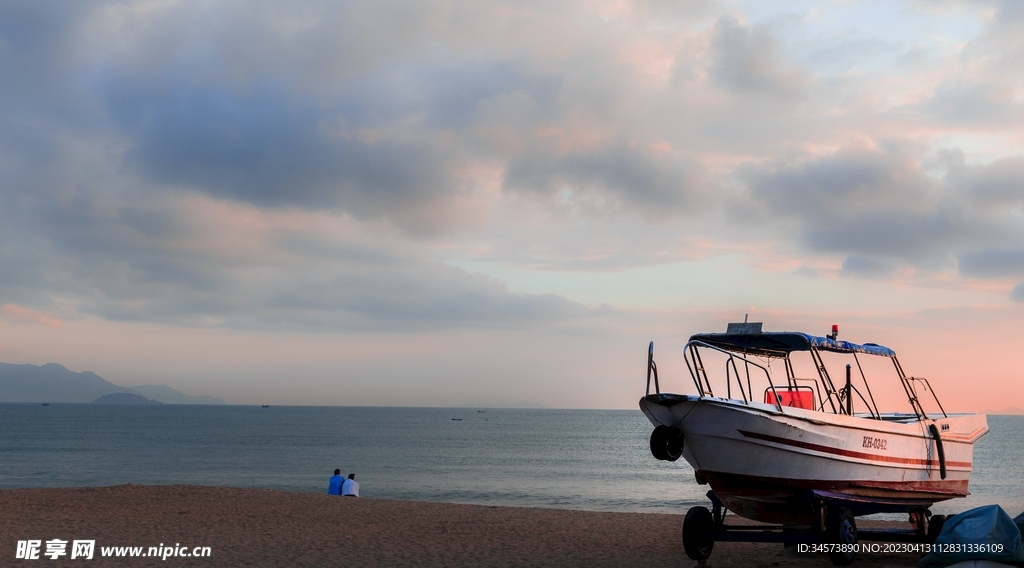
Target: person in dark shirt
334	485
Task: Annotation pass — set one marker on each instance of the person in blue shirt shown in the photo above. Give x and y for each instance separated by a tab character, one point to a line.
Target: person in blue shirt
334	485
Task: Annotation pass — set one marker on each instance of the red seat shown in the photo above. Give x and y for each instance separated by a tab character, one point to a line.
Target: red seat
800	397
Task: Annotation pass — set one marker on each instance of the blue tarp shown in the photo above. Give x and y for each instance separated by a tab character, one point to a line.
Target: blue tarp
985	533
778	343
840	346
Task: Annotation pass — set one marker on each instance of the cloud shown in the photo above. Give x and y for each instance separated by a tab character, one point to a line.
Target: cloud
196	261
21	314
991	262
881	209
1017	294
748	61
868	267
991	103
265	149
263	164
864	202
609	179
998	186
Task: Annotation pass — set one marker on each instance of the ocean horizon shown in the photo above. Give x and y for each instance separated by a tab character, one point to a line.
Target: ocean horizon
595	460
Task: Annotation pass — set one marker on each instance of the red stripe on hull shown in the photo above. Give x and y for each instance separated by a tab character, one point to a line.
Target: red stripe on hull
849	453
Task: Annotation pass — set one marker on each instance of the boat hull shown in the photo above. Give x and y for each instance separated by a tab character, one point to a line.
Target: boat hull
770	465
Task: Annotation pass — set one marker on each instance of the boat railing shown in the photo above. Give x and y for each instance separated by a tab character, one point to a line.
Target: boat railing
695	365
928	387
908	386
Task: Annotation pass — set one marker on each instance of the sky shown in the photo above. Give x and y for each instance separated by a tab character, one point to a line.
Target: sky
442	203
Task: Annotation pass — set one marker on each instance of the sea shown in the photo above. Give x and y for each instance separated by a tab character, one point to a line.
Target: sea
597	460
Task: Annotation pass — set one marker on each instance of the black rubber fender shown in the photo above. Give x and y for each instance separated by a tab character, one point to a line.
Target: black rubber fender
666	443
939	449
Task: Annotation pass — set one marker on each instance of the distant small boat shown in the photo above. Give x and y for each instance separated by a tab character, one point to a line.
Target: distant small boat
456	419
46	404
481	411
266	406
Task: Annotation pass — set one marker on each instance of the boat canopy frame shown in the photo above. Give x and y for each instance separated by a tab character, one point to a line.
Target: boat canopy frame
782	343
779	345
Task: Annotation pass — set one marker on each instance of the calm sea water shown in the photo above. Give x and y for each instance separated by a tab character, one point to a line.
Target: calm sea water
579	459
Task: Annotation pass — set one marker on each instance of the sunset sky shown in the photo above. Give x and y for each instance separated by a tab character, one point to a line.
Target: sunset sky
442	203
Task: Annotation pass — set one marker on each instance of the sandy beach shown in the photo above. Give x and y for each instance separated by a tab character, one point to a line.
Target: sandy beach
253	527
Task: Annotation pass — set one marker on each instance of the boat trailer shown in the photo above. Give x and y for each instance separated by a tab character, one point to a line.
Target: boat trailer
835	525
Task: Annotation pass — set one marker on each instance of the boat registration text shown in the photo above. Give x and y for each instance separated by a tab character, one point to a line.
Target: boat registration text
874	443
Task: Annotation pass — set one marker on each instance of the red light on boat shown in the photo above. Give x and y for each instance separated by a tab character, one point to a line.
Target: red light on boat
835	332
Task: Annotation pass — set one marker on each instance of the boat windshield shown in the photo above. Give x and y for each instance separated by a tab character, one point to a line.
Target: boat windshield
748	357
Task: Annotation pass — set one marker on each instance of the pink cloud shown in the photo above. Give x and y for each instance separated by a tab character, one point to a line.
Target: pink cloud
19	314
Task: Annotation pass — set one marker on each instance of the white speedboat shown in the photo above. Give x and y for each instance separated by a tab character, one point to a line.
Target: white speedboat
784	449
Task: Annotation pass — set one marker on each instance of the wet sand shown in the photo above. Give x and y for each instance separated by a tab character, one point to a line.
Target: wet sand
257	527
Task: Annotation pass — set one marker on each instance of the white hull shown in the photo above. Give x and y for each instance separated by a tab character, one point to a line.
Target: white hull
764	464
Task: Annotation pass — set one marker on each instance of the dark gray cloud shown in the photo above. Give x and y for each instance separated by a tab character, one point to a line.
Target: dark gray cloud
610	179
909	236
862	203
748	61
162	263
247	106
1017	294
263	148
415	297
995	187
867	267
104	146
881	210
847	180
991	262
206	116
37	43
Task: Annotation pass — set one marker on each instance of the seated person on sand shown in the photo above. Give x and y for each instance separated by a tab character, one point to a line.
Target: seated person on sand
334	485
350	488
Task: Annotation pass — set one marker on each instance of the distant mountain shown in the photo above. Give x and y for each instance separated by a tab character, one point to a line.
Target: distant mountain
167	395
124	398
54	383
51	383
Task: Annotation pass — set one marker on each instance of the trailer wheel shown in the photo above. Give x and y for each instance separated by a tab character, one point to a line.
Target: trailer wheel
788	543
666	443
935	527
841	530
698	533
